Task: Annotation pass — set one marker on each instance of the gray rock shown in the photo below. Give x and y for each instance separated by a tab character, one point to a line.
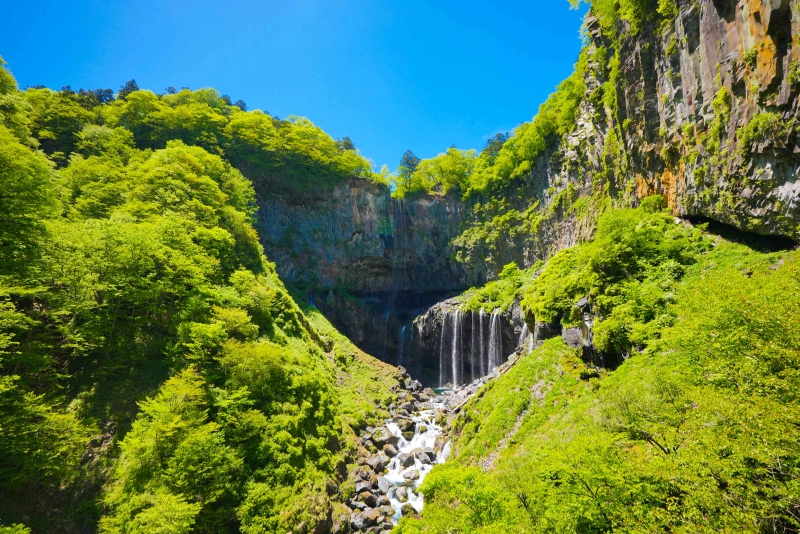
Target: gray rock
368	498
401	494
390	450
404	423
386	511
383	485
362	486
405	459
573	337
383	500
376	463
382	437
422	456
407	510
412	474
358	505
365	519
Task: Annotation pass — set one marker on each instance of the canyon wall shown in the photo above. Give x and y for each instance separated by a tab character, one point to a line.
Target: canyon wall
707	114
700	106
357	237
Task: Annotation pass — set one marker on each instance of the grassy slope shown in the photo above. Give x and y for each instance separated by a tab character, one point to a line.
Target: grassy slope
562	454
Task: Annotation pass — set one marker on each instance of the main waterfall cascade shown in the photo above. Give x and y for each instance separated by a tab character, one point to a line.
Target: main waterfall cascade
471	345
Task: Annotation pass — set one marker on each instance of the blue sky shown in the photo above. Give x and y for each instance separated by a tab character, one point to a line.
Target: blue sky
390	75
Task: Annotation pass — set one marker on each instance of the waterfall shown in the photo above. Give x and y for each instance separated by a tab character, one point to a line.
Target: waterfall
483	343
473	345
495	341
530	343
442	360
455	354
401	345
385	332
523	335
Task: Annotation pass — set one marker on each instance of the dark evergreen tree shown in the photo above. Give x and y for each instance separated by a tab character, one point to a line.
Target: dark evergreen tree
129	87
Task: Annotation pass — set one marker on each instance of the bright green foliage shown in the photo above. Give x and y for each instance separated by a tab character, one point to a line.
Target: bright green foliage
697	433
27	197
500	293
628	273
488	240
289	156
722	116
154	370
764	127
56	120
14	111
292	155
449	171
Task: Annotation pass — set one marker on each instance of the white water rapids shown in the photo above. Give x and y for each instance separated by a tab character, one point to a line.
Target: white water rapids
424	441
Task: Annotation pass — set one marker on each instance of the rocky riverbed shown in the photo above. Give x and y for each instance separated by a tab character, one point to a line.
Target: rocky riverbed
396	457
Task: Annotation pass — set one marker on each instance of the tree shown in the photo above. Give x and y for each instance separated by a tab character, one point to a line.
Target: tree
494	144
447	171
27	196
408	164
345	144
241	105
129	87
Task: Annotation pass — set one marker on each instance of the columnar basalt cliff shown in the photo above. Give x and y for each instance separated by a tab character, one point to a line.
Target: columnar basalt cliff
356	236
706	113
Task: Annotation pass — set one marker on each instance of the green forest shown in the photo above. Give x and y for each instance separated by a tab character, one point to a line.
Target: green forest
158	374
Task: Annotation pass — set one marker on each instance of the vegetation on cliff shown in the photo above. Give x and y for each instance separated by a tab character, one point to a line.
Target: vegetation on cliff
155	373
695	431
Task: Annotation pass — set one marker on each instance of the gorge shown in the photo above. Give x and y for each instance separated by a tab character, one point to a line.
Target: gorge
217	320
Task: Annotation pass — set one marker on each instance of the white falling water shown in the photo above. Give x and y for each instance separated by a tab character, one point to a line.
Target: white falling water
401	345
474	350
524	334
456	349
385	332
484	369
495	341
530	343
442	360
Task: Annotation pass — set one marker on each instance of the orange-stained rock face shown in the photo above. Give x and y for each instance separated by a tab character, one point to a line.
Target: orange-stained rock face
670	76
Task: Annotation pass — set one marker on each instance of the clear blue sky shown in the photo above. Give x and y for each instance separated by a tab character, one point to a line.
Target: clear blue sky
390	75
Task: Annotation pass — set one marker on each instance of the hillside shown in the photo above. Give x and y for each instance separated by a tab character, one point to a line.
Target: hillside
156	373
207	313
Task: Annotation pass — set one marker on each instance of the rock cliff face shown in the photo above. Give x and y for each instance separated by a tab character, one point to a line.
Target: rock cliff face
707	114
360	238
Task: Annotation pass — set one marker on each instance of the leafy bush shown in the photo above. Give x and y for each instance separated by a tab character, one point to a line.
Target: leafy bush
694	433
627	272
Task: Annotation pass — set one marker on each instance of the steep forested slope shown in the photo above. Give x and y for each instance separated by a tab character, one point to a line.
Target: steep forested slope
156	375
695	429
